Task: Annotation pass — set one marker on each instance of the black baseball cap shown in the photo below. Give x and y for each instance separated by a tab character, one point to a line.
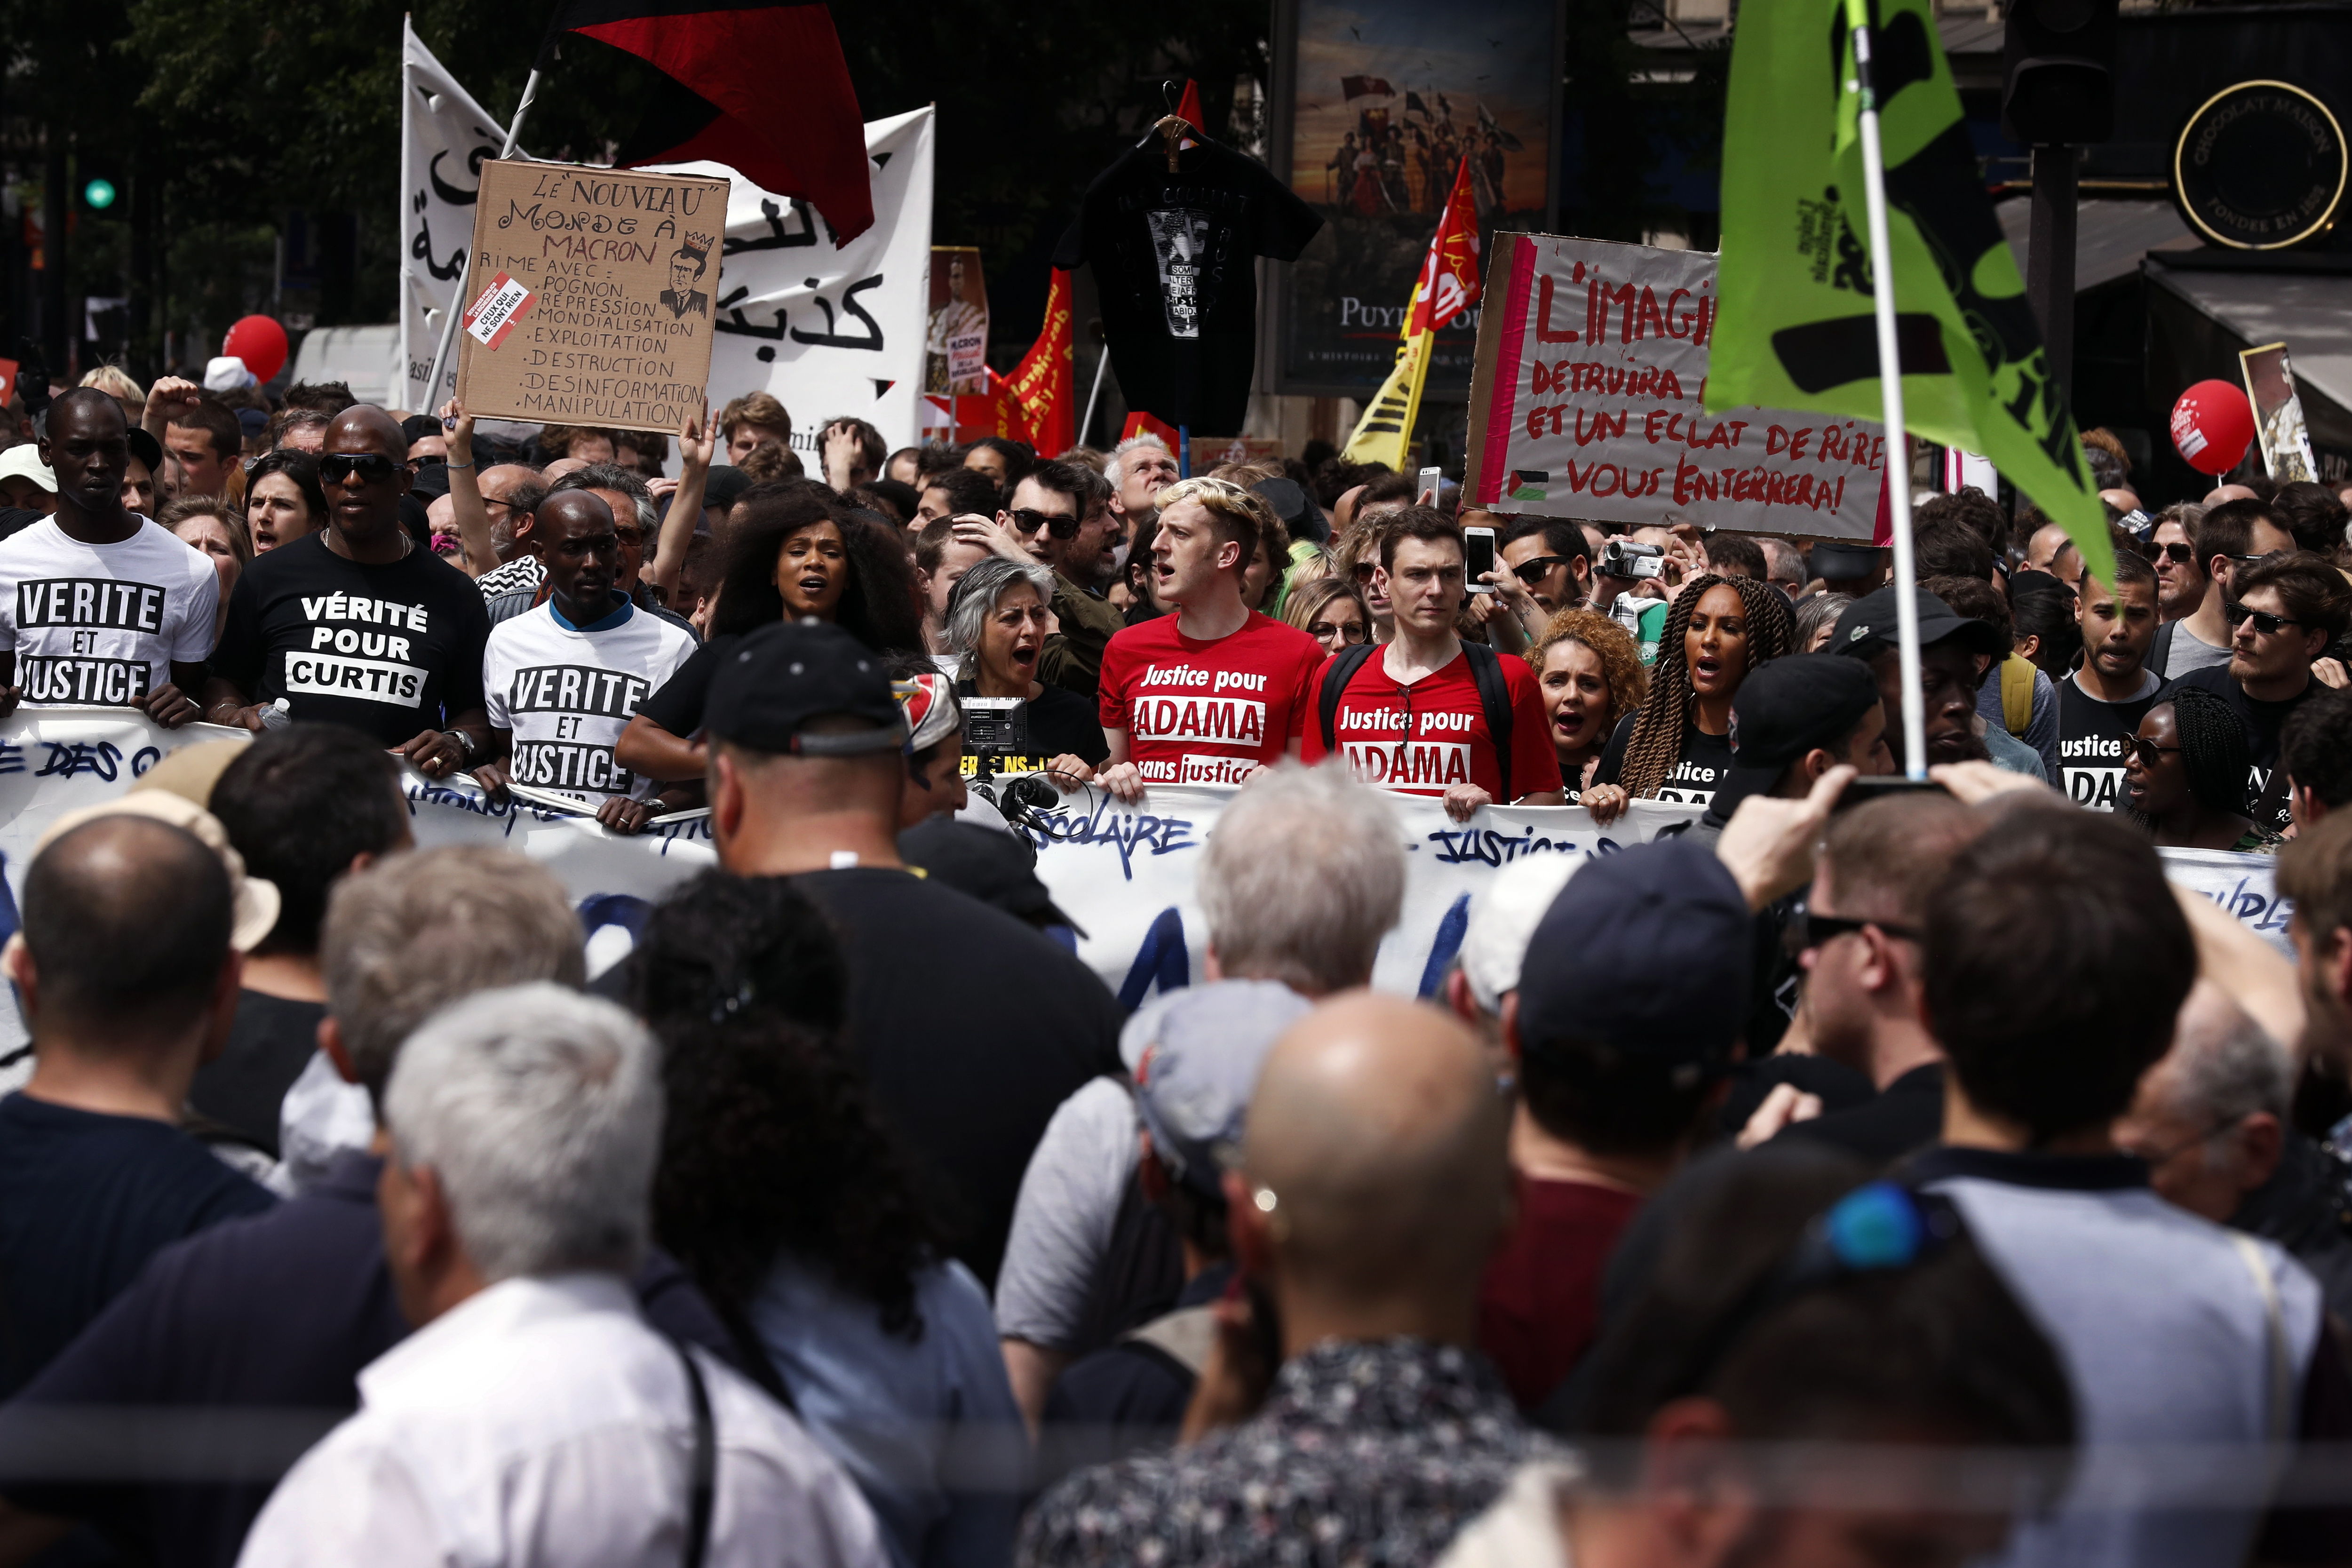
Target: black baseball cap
1649	952
147	450
989	863
1834	561
1868	624
1784	709
771	684
1297	508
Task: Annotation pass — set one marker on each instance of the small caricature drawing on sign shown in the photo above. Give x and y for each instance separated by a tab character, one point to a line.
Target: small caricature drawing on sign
687	264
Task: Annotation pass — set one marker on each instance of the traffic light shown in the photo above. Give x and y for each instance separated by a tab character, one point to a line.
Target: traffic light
98	194
2057	72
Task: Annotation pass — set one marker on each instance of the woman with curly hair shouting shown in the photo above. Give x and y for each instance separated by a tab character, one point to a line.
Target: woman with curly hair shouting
1679	745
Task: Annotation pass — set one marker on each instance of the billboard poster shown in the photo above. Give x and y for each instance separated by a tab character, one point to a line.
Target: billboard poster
1379	103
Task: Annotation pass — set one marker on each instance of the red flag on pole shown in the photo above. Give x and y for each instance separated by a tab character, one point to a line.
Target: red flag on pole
1449	274
1041	382
1139	423
806	138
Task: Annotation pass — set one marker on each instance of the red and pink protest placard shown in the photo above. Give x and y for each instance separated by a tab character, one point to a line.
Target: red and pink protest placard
1585	404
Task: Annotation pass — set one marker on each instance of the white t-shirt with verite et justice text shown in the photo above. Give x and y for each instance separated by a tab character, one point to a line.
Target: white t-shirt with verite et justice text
567	692
100	625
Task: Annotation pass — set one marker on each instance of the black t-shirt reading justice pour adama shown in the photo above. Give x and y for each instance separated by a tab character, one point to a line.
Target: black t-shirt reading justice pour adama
390	650
1171	254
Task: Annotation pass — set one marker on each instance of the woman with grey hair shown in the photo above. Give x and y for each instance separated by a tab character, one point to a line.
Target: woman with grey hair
998	621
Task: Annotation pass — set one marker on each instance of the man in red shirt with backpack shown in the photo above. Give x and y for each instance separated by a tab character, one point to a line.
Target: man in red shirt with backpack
1429	713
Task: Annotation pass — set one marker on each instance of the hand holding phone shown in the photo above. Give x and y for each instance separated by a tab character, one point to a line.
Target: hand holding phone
1478	558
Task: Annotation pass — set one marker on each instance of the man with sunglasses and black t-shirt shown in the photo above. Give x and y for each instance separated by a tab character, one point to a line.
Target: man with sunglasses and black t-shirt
358	624
2227	539
2283	614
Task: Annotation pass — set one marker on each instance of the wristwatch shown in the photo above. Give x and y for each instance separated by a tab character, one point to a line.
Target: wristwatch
465	743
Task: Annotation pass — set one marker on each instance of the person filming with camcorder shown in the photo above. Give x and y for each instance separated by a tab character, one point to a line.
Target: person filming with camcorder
1014	722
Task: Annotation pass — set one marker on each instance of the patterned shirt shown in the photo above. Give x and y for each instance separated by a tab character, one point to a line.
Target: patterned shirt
1364	1454
523	572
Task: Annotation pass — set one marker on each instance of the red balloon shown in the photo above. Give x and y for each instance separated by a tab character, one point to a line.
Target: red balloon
2211	425
260	343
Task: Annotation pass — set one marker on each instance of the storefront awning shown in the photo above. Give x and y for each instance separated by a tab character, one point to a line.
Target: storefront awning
2200	319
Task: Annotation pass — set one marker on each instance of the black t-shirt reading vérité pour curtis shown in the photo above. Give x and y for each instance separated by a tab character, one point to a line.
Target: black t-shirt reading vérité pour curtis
392	651
1173	256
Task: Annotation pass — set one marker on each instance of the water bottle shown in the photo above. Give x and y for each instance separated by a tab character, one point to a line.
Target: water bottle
277	716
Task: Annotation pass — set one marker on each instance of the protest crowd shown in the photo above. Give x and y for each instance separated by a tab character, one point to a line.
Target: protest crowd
1879	1172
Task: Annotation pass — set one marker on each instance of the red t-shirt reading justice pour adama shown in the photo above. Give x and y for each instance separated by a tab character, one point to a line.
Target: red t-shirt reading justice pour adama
1208	712
1450	743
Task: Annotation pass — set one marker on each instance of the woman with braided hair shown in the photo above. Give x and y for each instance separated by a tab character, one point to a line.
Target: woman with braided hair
2185	778
1679	745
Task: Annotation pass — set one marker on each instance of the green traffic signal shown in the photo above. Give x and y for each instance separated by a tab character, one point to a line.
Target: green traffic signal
99	195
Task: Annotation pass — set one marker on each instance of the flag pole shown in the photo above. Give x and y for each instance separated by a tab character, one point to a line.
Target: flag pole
1102	367
466	272
1890	381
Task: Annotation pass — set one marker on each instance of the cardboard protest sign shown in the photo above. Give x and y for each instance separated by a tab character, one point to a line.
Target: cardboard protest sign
830	327
590	298
955	346
2278	414
1585	403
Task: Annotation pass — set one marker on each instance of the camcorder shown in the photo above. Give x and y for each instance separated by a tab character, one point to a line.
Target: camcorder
1622	558
995	727
996	731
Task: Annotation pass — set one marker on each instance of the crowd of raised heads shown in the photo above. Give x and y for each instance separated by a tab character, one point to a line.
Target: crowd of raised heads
1835	1168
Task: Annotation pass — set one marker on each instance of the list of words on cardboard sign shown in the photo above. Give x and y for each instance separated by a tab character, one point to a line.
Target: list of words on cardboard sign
590	298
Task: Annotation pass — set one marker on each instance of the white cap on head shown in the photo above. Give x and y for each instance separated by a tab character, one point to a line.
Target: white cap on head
24	462
226	372
1504	917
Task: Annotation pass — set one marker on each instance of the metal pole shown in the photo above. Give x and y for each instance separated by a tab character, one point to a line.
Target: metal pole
1890	381
1102	368
2050	255
458	298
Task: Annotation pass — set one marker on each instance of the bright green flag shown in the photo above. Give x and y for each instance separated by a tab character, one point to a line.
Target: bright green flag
1797	328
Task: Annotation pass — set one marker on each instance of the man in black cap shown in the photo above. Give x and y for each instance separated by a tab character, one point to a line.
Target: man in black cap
1793	720
991	864
805	773
1631	1004
1954	654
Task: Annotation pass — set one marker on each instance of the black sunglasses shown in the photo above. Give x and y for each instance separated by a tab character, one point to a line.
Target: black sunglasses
1532	570
372	468
1819	930
2265	622
1029	521
2175	551
2147	750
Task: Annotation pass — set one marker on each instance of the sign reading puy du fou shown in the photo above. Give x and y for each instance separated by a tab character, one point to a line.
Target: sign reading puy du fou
590	298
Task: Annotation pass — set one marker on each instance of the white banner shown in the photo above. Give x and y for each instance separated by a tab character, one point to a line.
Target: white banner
832	331
444	136
1585	403
1126	875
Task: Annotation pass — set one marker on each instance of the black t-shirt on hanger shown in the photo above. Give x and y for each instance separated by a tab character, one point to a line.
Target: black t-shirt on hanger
1171	254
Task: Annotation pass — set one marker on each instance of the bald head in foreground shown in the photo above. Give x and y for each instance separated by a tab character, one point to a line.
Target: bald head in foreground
1375	1177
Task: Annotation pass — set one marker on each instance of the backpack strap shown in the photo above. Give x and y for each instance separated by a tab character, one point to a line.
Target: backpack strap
2159	652
2016	694
1344	665
1495	696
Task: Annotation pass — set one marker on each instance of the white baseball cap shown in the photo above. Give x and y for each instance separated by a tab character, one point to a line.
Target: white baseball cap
1503	919
23	461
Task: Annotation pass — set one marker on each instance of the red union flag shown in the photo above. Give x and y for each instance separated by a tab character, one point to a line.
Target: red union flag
1449	277
1040	385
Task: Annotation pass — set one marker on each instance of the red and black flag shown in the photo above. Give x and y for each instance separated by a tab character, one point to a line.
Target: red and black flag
764	90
